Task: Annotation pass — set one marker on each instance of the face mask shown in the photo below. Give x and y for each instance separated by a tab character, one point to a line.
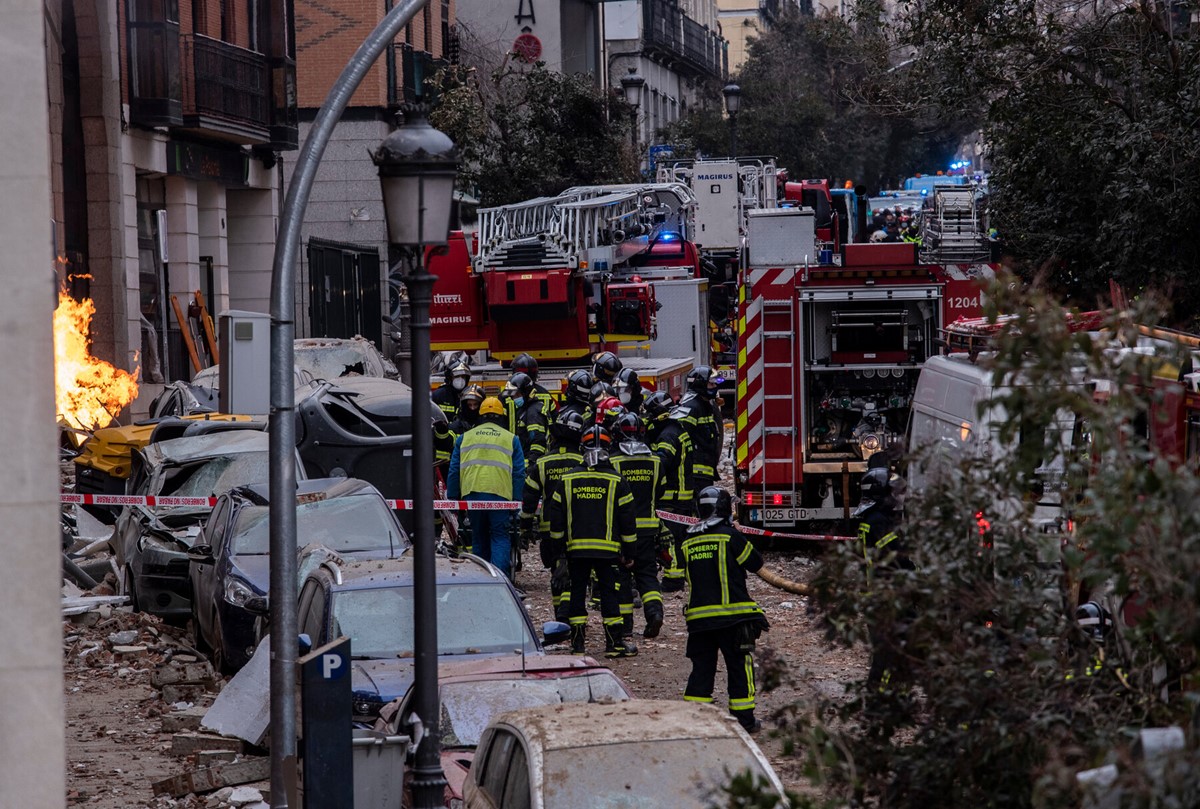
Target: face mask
458	383
519	401
625	397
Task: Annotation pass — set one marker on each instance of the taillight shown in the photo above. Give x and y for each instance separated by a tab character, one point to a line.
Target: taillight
777	499
749	499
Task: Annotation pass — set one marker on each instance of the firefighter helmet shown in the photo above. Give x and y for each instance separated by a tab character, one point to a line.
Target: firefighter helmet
658	405
875	486
492	406
628	386
520	386
595	444
606	366
703	379
629	427
714	502
601	391
1094	620
525	364
567	429
579	387
608	411
458	375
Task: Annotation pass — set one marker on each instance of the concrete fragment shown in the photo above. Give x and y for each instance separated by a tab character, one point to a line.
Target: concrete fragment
177	721
185	674
186	743
129	636
221	796
243	708
172	694
205	758
206	779
129	651
243	795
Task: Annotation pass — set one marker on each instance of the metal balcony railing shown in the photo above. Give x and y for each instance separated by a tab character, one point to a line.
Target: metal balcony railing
223	81
672	34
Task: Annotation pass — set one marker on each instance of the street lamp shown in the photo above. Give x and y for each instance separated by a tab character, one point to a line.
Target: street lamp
417	166
733	105
631	86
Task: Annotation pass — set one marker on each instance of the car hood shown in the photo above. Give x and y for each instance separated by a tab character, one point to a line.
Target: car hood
255	569
390	678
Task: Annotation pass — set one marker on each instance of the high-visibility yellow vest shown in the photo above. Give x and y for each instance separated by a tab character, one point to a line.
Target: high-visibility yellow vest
485	461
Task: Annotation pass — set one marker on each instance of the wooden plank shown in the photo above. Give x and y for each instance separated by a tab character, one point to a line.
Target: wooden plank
206	322
185	330
206	779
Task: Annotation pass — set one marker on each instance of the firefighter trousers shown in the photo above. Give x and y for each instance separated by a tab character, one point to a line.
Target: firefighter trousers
674	576
702	650
581	569
642	576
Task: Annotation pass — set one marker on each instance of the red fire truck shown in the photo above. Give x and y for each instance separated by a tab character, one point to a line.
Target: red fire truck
828	358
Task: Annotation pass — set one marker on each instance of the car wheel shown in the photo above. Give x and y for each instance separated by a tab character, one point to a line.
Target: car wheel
128	588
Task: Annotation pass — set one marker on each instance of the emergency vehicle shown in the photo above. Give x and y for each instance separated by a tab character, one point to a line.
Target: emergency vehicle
829	350
595	268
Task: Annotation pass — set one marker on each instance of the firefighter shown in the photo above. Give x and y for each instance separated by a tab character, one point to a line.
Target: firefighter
443	445
455	379
526	413
700	415
606	366
883	551
608	410
526	364
721	617
642	470
672	444
468	410
578	394
544	476
629	390
488	465
593	517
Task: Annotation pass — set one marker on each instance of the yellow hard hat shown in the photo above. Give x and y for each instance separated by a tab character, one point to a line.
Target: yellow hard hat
491	407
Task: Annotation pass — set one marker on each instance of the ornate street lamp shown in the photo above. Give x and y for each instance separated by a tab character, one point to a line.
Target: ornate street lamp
417	166
733	105
631	86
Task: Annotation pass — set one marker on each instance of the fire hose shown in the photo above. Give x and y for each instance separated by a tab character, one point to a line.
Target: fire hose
775	580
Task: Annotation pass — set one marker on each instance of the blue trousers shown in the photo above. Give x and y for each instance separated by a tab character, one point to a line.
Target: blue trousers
490	539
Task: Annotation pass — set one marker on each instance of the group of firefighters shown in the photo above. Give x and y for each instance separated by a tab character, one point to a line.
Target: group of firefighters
592	476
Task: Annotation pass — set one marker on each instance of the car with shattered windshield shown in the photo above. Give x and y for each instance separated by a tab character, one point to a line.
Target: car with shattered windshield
230	561
150	542
479	614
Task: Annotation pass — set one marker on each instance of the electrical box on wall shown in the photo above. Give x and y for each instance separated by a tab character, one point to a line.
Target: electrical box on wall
245	375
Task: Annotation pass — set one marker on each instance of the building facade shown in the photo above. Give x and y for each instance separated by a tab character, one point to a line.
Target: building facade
344	285
168	120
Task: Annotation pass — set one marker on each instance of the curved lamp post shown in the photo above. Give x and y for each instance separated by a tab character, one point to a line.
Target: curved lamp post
733	105
417	166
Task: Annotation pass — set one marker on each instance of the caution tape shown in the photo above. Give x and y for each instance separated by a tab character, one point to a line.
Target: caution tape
758	532
67	498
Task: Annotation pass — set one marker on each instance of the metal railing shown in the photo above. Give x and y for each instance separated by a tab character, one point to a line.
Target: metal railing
671	32
225	81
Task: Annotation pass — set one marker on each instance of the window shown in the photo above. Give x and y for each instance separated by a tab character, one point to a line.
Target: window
498	757
214	532
516	787
313	621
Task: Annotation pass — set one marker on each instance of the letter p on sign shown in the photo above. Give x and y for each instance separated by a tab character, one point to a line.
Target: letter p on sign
332	666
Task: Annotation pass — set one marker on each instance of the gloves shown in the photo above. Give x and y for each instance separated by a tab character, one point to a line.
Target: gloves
560	579
546	551
625	562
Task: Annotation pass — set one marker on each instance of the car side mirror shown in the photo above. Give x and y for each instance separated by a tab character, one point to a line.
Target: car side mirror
258	605
200	553
555	632
305	643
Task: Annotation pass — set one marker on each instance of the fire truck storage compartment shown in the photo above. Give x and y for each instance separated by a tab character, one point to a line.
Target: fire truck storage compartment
863	349
781	237
629	309
682	320
530	295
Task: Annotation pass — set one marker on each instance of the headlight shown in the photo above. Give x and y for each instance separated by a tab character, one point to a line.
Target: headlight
237	592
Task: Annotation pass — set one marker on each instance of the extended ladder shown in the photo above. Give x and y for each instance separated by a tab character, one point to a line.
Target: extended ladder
952	228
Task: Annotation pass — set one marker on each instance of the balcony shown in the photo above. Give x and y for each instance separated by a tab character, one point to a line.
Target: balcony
409	70
226	90
152	39
681	42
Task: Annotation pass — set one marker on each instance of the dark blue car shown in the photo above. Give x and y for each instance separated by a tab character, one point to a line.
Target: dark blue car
230	562
478	614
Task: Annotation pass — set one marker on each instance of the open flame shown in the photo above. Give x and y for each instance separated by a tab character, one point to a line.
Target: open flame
89	392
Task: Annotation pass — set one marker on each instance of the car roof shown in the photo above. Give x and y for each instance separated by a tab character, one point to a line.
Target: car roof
330	487
211	445
376	573
587	724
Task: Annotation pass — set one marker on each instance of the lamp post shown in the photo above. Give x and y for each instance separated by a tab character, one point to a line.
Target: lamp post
417	165
733	105
631	86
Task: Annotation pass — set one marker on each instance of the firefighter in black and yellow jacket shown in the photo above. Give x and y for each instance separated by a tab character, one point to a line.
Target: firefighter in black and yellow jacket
672	444
592	513
543	478
642	470
721	616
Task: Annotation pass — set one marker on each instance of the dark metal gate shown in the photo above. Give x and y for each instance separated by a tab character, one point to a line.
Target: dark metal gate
344	291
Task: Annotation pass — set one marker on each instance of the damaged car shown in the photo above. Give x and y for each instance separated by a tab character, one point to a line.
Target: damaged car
150	542
230	561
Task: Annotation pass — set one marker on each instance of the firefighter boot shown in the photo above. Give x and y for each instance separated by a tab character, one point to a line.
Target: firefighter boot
616	645
654	620
578	636
747	721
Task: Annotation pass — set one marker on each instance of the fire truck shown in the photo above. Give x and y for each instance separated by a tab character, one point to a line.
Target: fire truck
595	268
830	345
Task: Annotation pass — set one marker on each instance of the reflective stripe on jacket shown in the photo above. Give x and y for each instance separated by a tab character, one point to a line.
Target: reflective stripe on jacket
716	561
673	446
643	473
487	460
593	510
545	475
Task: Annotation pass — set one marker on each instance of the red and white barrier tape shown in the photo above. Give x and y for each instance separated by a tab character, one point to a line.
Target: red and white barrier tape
151	500
758	532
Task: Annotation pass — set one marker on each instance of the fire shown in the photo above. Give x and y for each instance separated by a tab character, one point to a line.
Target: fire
88	391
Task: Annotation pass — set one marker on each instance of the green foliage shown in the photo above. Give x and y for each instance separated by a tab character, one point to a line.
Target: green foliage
529	132
1091	121
999	697
816	96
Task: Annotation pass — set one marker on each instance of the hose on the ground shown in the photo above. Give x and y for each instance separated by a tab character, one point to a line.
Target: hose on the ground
775	580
